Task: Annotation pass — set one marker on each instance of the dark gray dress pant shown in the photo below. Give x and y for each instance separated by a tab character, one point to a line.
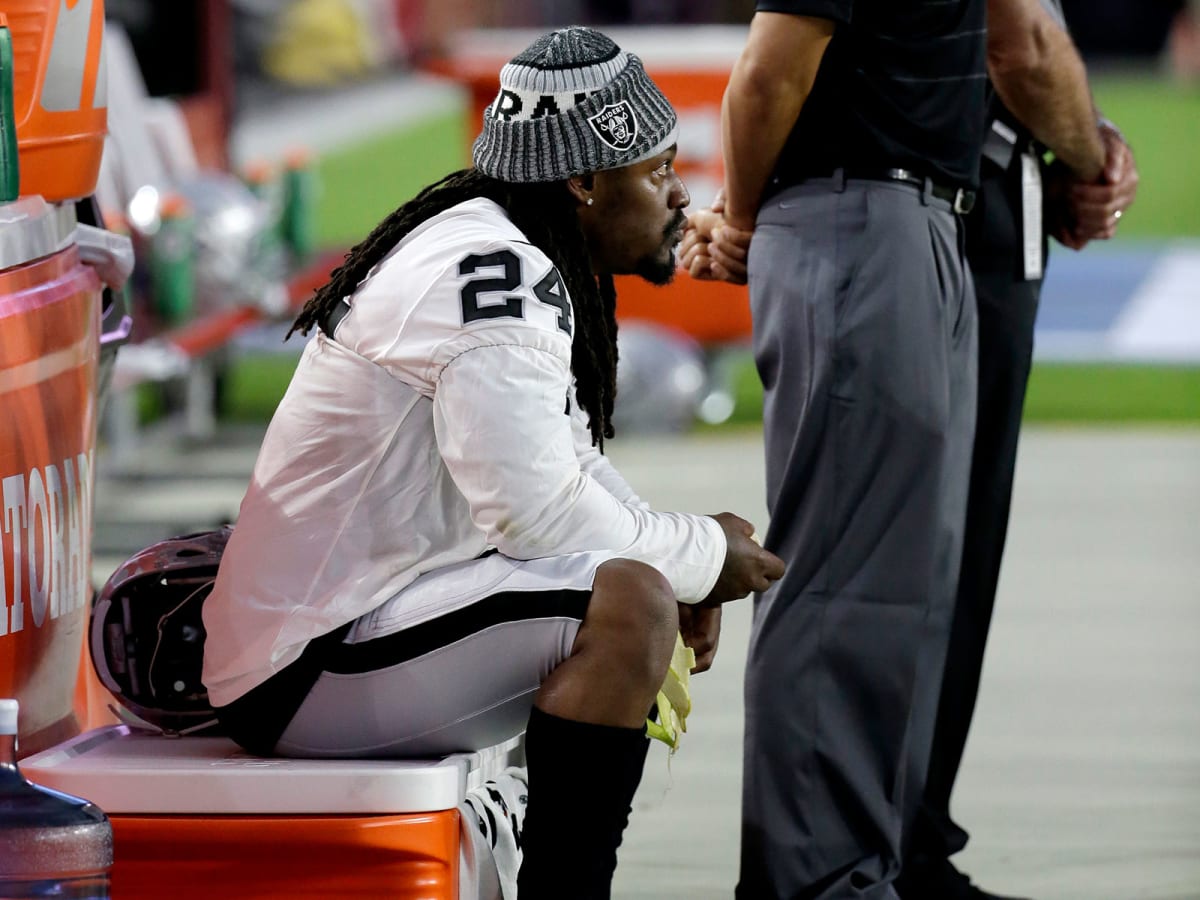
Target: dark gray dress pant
865	340
1007	303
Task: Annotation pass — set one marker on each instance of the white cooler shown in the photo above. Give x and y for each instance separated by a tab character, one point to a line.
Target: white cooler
199	817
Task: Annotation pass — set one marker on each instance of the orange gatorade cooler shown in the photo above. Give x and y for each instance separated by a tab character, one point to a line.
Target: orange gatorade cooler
60	94
50	307
197	817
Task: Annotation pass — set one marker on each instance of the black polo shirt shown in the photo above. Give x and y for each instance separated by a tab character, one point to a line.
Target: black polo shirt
902	84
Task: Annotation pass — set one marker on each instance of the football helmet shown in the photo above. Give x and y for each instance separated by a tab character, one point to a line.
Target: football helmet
147	636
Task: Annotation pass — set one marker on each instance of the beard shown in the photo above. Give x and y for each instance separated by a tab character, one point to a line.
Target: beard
658	271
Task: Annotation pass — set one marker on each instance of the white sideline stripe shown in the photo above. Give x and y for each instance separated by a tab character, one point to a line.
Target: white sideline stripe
1063	345
1162	319
323	123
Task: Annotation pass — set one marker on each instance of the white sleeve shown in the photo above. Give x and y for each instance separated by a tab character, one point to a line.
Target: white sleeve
595	463
504	433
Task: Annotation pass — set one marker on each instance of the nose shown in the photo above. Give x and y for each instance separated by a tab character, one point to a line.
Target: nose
679	194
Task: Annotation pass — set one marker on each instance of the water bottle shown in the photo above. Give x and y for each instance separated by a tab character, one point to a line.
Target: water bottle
266	184
51	844
299	204
173	261
10	173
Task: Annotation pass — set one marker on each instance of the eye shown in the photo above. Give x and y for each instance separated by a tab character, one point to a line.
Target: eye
665	169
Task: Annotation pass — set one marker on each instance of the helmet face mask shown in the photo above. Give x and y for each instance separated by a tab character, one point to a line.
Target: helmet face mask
147	635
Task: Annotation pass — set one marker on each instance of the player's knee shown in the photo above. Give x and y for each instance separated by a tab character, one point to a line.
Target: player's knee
635	604
641	591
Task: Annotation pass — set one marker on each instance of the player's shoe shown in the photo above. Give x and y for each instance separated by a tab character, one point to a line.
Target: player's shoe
499	805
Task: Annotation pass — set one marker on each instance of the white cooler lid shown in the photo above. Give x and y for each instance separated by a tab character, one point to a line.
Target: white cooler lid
125	771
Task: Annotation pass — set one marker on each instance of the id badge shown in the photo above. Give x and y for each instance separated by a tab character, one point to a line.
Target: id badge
1031	215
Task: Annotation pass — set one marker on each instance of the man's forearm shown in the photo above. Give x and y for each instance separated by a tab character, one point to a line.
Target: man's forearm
753	132
1038	74
767	89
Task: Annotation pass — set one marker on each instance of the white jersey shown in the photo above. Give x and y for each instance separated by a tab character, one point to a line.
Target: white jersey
436	426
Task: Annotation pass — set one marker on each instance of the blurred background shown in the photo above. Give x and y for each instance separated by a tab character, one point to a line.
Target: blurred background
253	141
298	124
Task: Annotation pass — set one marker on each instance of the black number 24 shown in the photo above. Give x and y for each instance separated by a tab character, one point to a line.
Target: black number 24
548	290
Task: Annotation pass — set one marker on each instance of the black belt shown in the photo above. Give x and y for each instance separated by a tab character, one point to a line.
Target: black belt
961	200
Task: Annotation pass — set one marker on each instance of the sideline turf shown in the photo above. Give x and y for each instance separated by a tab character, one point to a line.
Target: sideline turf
1058	393
1064	393
361	185
1160	118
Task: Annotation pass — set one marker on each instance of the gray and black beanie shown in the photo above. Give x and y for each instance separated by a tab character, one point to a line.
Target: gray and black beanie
573	102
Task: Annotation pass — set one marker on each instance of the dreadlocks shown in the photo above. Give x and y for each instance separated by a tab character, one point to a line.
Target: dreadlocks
544	213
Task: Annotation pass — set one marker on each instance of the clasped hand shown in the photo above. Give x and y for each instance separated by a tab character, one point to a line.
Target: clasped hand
1077	212
712	249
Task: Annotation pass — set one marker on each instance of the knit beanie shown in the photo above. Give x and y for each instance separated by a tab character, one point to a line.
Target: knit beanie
573	102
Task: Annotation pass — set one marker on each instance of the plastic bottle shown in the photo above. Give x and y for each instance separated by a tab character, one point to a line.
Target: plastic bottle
10	173
266	184
51	844
173	261
299	204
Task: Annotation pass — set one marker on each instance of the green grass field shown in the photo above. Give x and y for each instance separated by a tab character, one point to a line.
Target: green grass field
362	185
1064	394
1162	121
1059	393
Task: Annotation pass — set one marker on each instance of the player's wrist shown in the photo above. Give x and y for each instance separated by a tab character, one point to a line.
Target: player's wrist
740	221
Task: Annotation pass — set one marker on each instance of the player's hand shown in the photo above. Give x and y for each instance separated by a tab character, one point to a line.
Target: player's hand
712	249
694	255
729	249
748	567
701	630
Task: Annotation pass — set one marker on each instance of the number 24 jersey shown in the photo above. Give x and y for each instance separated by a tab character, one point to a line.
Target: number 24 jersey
439	422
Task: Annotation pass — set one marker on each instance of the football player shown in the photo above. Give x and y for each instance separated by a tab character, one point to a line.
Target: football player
434	554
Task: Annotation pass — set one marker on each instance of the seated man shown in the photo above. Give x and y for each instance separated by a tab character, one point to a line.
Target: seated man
433	553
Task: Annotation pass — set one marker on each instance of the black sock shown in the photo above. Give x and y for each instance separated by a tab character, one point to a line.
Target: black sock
570	838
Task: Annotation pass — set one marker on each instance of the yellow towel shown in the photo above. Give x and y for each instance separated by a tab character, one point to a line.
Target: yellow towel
674	698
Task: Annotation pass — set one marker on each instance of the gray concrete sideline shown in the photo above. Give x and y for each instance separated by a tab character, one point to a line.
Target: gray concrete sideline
1082	774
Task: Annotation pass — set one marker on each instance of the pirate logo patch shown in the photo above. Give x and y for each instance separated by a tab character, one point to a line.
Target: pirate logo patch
616	125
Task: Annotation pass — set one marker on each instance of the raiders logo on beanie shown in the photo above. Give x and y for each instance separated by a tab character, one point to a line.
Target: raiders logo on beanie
573	102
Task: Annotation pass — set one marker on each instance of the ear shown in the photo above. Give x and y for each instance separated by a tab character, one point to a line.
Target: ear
581	188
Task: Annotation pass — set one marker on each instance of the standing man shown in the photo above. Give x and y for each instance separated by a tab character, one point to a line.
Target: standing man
1006	249
852	134
852	140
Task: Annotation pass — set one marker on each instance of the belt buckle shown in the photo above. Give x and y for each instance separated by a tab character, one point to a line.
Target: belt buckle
963	201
